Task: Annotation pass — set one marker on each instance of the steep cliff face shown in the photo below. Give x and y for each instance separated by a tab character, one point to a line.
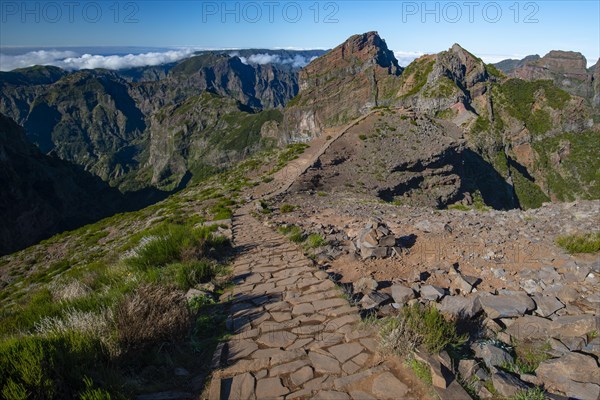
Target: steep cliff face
203	133
103	120
596	80
341	85
44	195
257	86
87	117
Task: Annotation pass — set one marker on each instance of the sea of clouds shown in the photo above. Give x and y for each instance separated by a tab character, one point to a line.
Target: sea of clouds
71	60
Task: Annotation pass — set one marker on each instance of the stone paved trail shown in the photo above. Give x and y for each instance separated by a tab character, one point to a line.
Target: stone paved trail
295	336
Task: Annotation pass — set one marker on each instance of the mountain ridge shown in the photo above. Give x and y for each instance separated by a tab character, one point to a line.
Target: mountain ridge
163	127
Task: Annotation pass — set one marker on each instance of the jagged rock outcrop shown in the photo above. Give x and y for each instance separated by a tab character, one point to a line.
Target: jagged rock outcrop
43	195
438	82
341	85
567	69
257	86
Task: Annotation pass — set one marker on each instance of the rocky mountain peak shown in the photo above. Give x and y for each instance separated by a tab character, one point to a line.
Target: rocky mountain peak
342	84
568	70
566	60
370	47
357	53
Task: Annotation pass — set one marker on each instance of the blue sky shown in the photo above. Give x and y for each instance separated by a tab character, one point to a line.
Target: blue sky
492	30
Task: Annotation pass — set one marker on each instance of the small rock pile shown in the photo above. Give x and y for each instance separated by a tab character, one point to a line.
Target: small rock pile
375	240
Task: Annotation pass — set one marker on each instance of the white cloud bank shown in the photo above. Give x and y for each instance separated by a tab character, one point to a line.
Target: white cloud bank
72	61
298	61
406	57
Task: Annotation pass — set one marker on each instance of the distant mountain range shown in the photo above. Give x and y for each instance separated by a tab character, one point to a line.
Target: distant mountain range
527	129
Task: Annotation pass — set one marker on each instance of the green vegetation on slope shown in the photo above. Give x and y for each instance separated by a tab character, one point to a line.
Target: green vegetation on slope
529	194
109	297
418	71
582	243
520	96
444	87
570	165
493	71
244	129
99	317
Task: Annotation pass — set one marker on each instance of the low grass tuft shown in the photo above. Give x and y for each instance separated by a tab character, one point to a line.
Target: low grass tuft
151	315
581	243
286	208
417	326
421	370
173	243
530	394
529	355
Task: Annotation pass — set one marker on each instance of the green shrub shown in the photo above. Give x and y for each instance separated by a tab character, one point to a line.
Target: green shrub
520	97
91	393
539	122
173	243
482	124
530	394
48	367
297	236
417	326
293	232
362	137
286	208
189	274
581	243
578	174
493	71
315	240
528	193
221	210
529	355
459	207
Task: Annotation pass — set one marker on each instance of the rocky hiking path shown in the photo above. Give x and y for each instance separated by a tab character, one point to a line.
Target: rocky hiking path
294	335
